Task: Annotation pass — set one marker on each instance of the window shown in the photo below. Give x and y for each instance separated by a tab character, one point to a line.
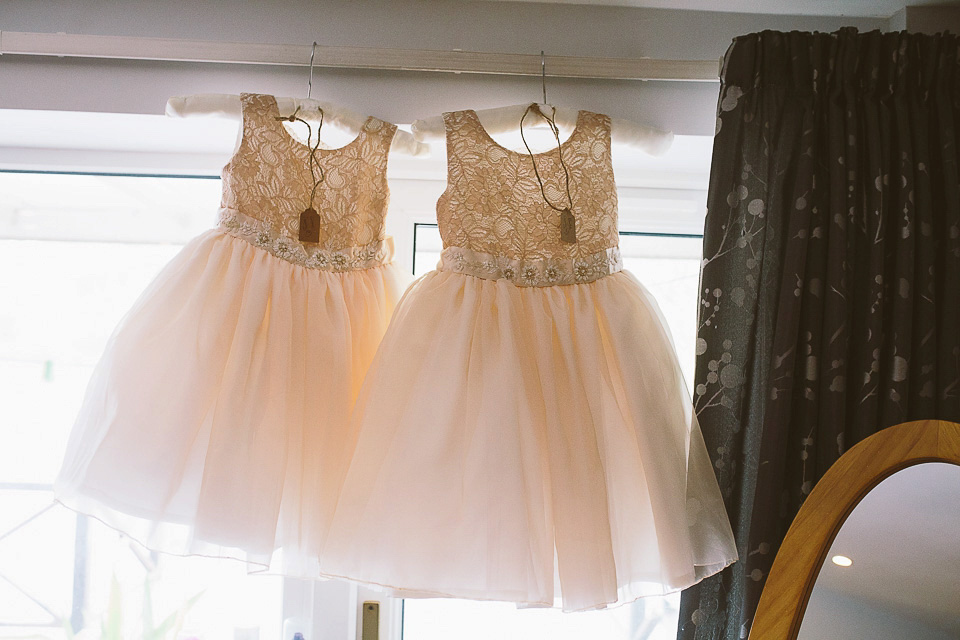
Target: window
76	250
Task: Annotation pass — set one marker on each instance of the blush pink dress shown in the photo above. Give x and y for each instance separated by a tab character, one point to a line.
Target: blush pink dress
525	433
217	419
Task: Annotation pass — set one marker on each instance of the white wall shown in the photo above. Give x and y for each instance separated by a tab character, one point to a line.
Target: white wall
831	615
559	29
932	19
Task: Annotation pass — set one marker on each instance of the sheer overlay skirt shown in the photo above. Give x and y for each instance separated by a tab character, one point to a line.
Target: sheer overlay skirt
216	420
528	444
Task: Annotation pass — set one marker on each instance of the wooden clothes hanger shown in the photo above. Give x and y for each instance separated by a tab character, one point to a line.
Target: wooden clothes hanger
228	106
505	119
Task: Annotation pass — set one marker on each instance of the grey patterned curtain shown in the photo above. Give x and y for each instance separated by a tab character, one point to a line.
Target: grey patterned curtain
830	286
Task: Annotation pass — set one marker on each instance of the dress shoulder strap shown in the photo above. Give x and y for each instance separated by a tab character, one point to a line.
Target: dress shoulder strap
596	129
372	145
462	137
380	130
256	110
463	124
257	118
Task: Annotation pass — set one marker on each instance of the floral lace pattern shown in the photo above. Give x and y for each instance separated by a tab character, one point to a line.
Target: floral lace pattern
310	255
493	206
267	184
532	273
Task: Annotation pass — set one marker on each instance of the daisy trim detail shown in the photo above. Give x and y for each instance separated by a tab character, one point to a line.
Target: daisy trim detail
278	243
532	273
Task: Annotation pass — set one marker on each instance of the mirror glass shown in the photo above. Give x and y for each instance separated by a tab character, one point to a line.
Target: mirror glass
893	571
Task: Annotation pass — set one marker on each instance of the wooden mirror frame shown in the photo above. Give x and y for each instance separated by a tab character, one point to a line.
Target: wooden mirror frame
805	547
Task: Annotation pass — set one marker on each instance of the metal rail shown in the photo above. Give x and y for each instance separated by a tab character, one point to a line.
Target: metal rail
202	51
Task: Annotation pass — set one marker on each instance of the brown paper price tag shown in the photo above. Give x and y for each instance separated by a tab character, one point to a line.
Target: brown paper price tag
568	227
310	225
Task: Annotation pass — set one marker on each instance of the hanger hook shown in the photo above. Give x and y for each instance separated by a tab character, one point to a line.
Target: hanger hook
543	76
313	52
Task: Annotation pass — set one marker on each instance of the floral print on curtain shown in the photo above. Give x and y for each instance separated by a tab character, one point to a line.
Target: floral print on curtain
830	284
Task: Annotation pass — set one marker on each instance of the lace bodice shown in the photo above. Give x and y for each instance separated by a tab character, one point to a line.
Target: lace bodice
495	223
267	184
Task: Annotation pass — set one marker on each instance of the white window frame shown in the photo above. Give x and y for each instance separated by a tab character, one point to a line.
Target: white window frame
654	199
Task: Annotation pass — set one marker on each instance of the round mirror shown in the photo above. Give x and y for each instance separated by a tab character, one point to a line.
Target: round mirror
874	552
893	570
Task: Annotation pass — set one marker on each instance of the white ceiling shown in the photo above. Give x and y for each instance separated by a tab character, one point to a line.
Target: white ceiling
853	8
902	538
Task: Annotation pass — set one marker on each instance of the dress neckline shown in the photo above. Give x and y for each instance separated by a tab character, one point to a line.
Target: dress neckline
577	127
320	150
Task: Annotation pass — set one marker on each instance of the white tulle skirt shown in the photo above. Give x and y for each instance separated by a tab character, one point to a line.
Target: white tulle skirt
216	422
528	444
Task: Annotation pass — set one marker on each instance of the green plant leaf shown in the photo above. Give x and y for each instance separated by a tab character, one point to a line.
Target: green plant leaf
183	612
111	627
172	623
67	628
146	612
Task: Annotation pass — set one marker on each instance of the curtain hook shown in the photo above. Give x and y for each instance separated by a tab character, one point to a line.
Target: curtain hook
543	76
313	51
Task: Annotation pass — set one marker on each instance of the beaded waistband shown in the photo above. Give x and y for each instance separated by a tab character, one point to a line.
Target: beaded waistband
266	237
532	273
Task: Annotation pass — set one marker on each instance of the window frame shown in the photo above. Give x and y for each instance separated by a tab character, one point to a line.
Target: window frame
333	610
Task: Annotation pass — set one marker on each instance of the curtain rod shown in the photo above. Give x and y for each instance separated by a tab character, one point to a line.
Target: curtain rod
455	61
